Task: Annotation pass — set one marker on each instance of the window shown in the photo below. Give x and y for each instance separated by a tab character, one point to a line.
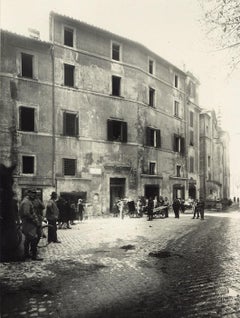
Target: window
178	171
115	52
191	138
70	124
176	81
191	164
176	109
151	96
68	37
28	164
178	144
68	75
152	168
69	167
191	118
150	66
27	65
153	137
116	130
116	85
26	118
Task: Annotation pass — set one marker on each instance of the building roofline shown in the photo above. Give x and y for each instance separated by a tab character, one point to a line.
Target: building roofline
61	16
25	37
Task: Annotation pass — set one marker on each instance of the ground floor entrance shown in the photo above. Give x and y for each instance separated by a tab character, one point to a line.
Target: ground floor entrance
117	190
151	190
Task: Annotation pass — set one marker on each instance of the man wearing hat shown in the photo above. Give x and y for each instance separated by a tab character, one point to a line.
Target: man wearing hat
52	214
30	224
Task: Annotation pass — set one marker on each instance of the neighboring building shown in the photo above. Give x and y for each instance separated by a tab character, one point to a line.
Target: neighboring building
96	115
214	158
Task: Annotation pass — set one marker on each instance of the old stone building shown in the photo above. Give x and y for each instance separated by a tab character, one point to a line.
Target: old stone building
97	116
214	158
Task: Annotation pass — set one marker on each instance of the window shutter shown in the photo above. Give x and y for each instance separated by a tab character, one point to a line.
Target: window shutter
20	118
124	132
76	126
64	123
175	143
148	136
182	145
158	138
109	130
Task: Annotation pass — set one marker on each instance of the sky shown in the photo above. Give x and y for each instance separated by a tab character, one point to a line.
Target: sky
173	29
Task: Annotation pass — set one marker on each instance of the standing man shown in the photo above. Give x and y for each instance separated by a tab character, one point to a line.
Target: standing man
30	225
201	206
150	208
176	207
39	207
80	208
52	217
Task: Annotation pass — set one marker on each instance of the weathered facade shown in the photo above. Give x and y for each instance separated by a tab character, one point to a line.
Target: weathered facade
214	158
97	115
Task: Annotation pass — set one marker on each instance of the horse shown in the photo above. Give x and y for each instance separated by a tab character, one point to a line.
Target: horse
11	237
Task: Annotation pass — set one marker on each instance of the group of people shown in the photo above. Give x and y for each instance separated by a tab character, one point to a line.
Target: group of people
152	206
57	213
31	213
68	212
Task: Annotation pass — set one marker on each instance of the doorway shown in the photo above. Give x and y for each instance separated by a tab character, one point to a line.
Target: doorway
151	190
117	190
192	192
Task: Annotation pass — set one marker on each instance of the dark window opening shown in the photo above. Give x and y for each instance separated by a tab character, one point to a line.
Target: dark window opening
153	137
68	75
116	52
176	81
116	85
150	67
69	167
117	130
209	161
28	164
152	168
68	37
151	96
178	171
27	65
26	118
70	124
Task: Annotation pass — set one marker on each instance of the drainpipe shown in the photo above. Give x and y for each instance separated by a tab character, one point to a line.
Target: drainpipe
53	112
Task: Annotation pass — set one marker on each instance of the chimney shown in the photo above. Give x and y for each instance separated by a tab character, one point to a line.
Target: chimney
34	34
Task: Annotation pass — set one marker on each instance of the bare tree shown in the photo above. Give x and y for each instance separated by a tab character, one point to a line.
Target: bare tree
222	22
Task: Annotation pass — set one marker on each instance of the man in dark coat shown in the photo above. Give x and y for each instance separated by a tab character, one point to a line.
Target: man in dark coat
150	207
176	207
52	214
30	224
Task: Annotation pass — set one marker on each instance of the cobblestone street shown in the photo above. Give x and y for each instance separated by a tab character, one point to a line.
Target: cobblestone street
131	268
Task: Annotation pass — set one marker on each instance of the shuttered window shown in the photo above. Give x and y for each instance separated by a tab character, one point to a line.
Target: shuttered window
117	130
153	137
178	144
70	124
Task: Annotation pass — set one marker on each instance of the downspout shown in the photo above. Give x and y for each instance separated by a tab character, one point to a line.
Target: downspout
54	183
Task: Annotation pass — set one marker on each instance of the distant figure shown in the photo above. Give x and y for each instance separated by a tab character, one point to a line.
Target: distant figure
150	207
52	214
166	204
176	207
195	209
120	205
80	209
201	207
139	207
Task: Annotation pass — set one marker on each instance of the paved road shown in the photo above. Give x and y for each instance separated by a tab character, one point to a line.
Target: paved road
132	268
